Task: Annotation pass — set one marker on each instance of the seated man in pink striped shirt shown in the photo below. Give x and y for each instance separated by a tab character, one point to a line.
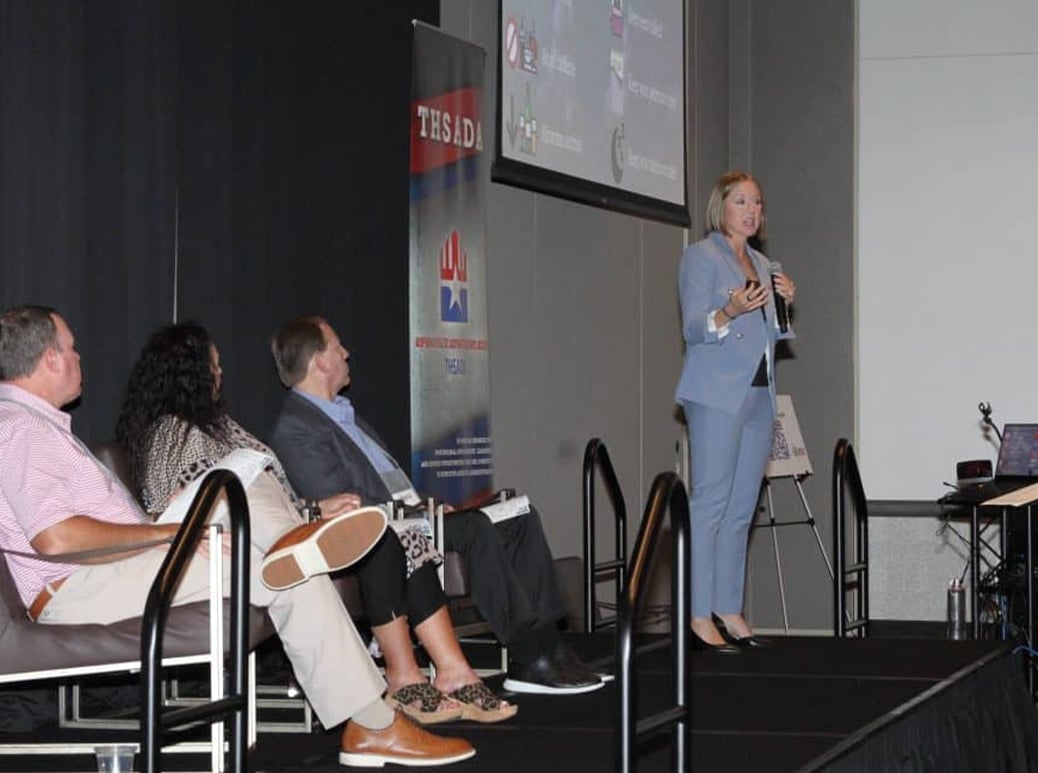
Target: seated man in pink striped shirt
56	498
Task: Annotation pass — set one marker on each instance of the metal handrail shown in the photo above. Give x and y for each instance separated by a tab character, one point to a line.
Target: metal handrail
847	480
596	456
156	611
668	493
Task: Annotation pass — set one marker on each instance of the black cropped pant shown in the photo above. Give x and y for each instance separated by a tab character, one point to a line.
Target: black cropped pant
386	591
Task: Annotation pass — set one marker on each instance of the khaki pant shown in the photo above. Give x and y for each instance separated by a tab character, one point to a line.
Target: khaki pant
330	661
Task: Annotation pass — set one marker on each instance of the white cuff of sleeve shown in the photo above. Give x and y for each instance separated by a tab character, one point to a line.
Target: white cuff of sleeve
711	325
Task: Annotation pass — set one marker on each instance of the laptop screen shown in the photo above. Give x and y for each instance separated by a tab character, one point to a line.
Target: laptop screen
1018	456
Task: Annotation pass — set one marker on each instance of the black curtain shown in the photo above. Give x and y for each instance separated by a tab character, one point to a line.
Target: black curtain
229	162
87	175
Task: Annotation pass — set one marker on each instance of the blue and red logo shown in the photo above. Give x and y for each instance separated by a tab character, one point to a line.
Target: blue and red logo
454	279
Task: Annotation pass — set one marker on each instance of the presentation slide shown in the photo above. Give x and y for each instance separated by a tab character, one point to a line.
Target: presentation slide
591	101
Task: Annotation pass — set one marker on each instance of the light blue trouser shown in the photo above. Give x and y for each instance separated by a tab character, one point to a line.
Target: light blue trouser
729	452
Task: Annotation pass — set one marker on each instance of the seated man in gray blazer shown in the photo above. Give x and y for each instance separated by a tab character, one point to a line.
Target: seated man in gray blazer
326	448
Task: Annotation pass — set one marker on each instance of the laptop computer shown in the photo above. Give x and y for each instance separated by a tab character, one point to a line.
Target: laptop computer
1017	466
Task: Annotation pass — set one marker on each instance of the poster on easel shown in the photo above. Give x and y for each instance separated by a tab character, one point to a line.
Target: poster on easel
788	456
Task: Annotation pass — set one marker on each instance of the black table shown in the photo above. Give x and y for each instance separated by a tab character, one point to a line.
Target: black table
1020	501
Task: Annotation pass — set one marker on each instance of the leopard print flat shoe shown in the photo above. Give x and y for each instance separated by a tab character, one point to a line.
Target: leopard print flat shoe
425	704
479	704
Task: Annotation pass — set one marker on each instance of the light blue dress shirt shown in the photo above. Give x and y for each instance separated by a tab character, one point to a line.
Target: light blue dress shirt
340	410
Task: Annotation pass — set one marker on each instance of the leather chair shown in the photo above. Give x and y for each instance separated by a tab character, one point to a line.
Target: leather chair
31	652
278	696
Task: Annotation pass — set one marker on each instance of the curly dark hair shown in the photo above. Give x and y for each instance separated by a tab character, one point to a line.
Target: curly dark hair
171	377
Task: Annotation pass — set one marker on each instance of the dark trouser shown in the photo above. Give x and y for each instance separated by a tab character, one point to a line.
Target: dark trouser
512	578
387	593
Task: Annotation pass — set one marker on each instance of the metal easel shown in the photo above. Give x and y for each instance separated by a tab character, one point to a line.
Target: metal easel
788	460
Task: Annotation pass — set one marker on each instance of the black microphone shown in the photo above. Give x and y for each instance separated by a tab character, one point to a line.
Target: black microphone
781	311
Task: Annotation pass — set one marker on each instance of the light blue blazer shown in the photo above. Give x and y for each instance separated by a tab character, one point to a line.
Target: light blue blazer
718	371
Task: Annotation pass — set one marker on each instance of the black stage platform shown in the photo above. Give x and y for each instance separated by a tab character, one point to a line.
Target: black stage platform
805	704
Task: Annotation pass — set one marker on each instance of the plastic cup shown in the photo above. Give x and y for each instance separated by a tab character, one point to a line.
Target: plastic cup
115	758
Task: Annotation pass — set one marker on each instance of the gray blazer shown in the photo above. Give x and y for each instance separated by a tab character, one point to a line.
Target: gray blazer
320	458
718	371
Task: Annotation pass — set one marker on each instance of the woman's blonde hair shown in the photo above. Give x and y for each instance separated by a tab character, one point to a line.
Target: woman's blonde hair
715	206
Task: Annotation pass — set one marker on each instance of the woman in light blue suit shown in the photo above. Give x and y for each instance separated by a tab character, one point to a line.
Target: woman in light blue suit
727	392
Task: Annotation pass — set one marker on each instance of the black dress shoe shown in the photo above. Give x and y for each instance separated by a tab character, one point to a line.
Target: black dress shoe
739	641
565	657
547	677
722	649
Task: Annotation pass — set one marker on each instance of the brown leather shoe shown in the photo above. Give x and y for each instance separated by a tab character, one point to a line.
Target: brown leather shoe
402	743
322	547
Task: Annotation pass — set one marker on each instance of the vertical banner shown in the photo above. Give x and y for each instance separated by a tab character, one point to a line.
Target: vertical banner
452	456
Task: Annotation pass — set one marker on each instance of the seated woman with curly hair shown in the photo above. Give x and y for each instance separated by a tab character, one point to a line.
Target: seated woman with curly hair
175	427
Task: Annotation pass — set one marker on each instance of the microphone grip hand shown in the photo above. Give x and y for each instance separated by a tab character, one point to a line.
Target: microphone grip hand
783	290
781	313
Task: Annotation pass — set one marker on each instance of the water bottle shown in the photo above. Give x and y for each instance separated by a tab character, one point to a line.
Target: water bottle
956	610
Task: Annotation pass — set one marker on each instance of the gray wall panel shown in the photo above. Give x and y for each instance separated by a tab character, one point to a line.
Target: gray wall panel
802	146
660	349
708	103
589	342
512	281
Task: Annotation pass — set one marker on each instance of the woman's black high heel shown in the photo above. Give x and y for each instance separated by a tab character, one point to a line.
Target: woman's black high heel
738	641
699	644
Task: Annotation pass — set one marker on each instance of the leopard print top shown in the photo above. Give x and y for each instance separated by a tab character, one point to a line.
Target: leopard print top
179	452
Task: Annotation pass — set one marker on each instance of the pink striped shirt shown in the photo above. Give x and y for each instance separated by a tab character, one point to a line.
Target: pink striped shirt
46	476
